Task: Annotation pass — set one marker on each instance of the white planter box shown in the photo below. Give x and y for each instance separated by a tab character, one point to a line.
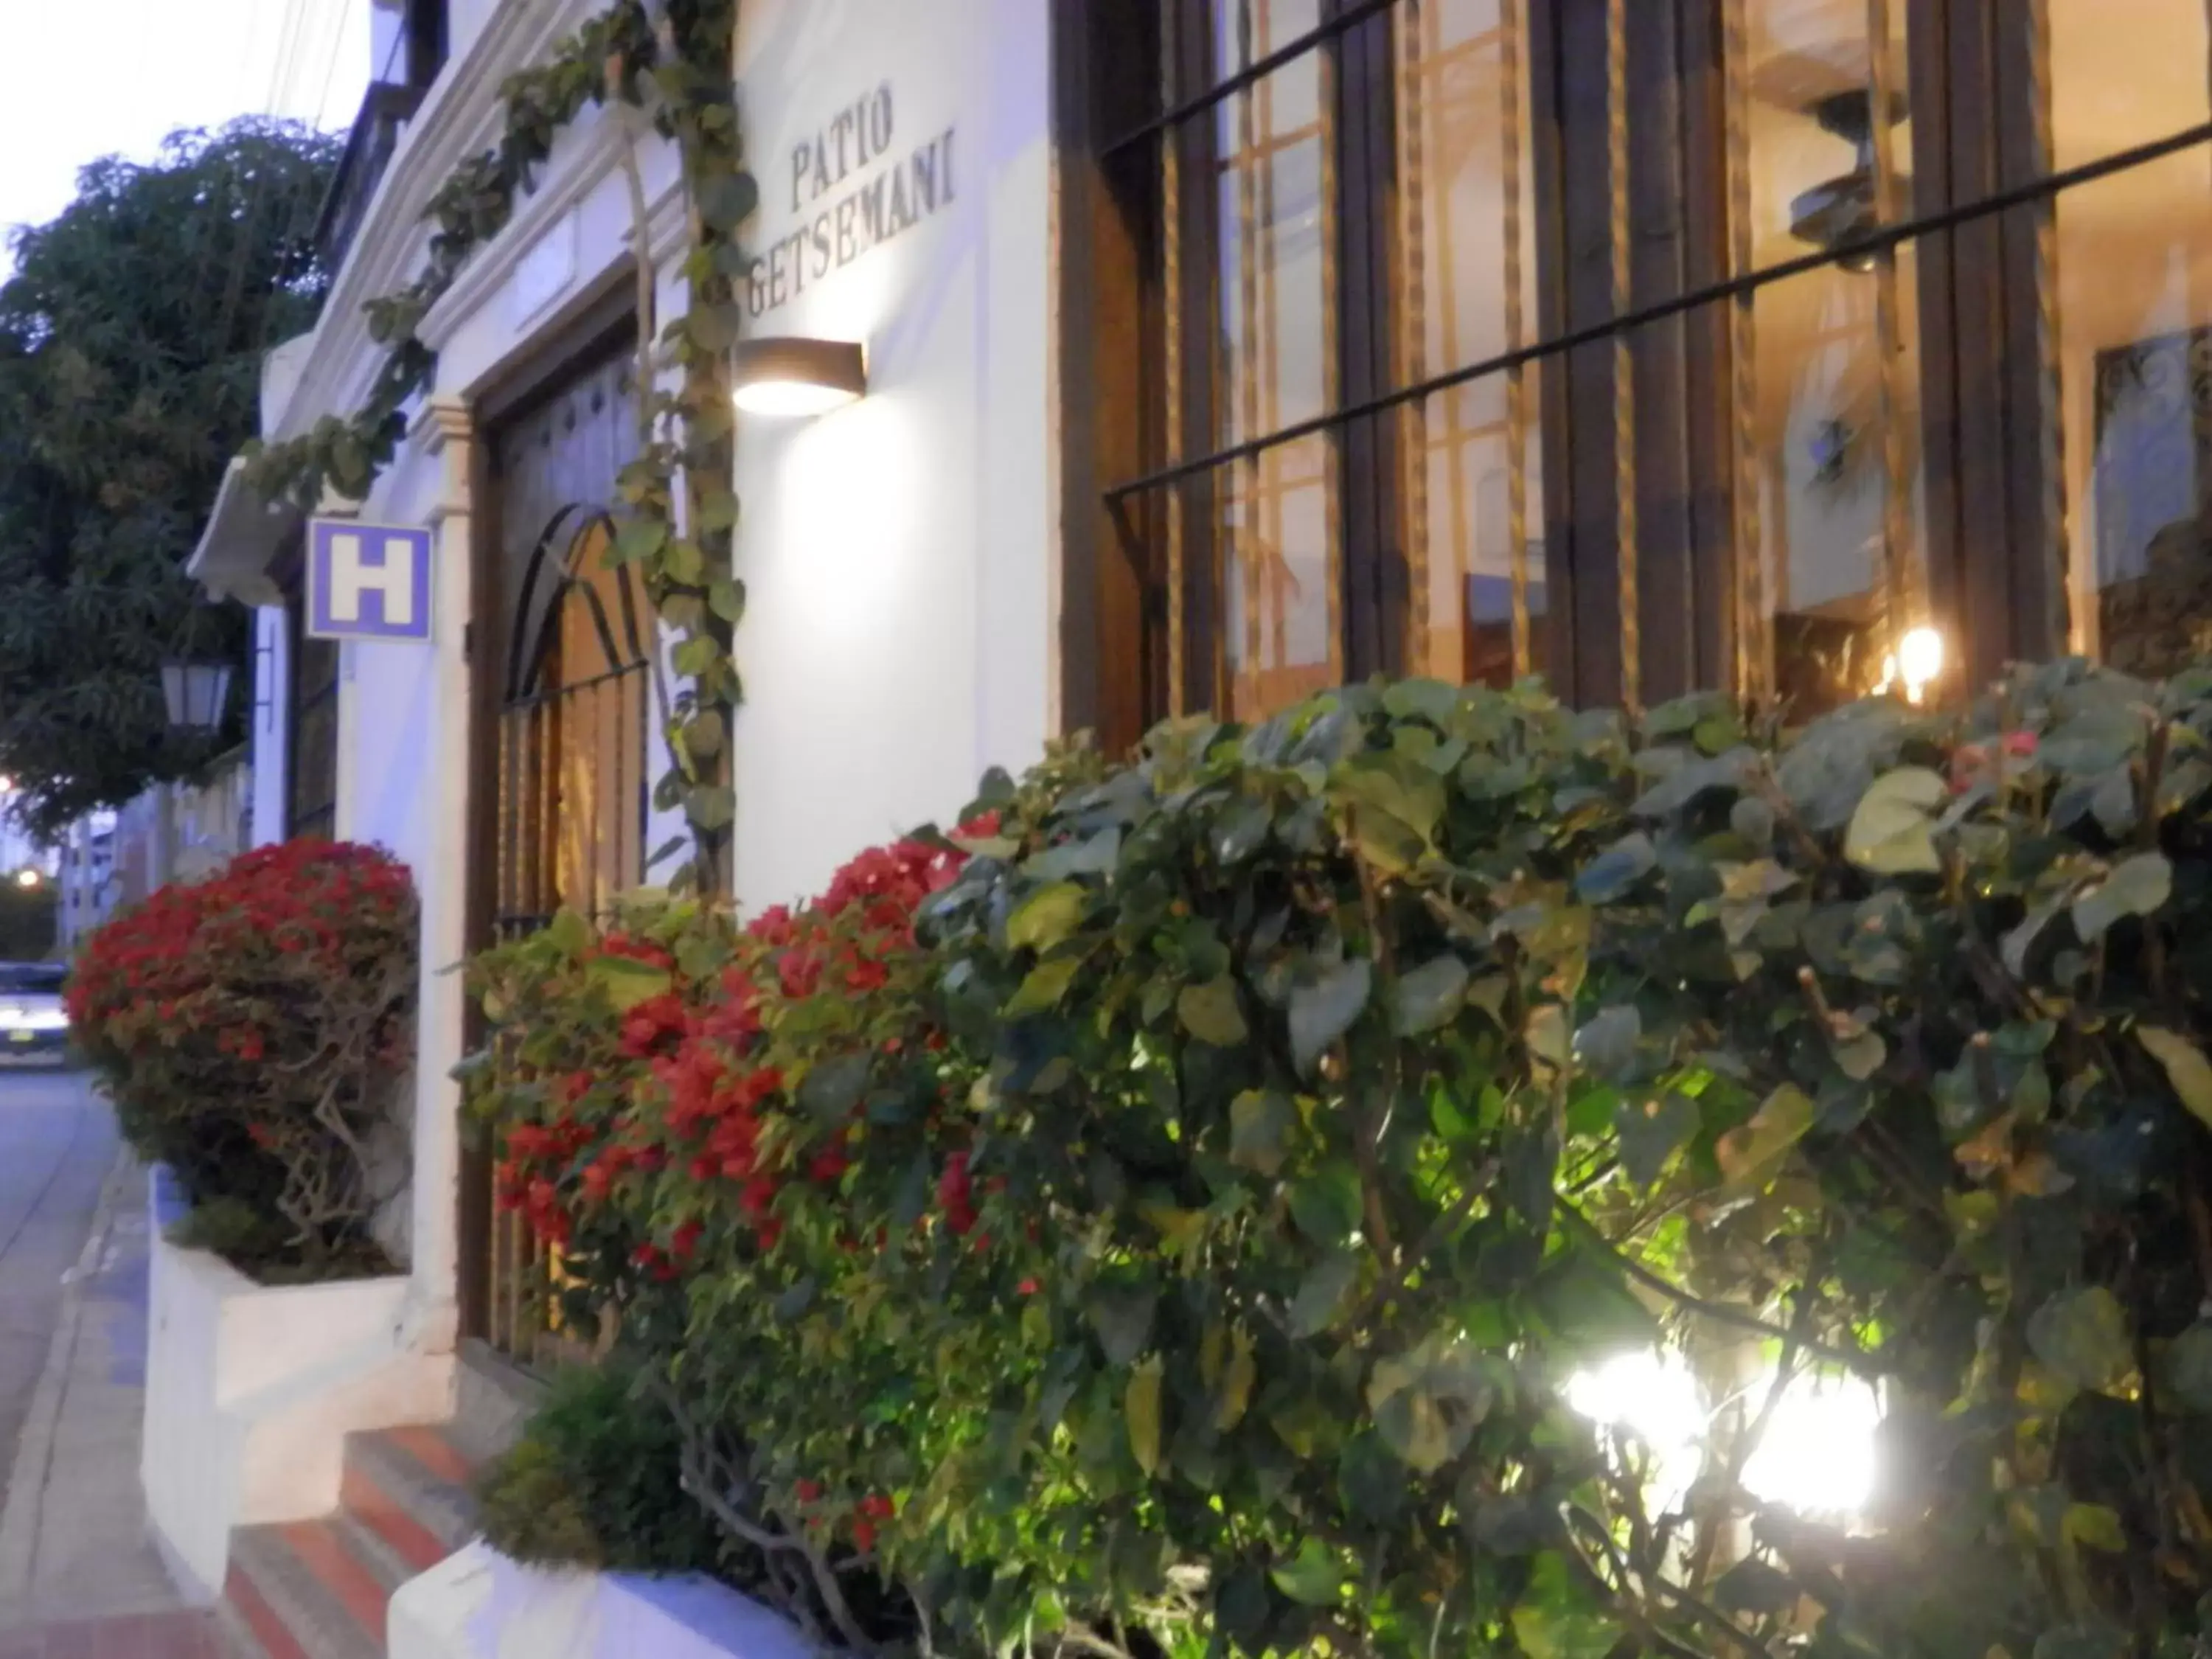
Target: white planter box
251	1391
479	1605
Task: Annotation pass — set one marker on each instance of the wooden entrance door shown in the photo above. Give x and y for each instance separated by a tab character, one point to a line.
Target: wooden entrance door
567	647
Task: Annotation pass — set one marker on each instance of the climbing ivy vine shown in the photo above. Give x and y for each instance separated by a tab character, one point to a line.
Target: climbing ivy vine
669	59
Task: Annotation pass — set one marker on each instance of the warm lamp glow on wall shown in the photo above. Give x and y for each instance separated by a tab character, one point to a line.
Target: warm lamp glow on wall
1917	664
797	378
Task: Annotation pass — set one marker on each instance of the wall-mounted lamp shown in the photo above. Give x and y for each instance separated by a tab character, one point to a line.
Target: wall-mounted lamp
791	376
1917	664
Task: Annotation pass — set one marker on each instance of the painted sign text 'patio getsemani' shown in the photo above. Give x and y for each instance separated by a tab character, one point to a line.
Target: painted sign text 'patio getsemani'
836	229
368	581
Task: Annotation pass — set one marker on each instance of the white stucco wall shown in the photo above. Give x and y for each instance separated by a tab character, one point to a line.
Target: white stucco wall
899	552
897	636
251	1392
479	1605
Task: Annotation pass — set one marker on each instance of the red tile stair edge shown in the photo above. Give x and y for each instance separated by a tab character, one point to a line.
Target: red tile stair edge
436	1453
323	1552
260	1619
384	1515
330	1552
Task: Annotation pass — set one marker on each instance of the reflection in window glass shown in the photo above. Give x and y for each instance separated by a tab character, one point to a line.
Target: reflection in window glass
1474	453
1837	420
2135	331
1276	311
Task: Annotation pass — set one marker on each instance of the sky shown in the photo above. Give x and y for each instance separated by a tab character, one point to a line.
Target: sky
103	77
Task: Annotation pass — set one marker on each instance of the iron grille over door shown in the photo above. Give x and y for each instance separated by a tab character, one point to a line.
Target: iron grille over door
576	674
568	797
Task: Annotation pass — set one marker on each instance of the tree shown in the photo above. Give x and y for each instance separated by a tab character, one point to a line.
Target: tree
130	343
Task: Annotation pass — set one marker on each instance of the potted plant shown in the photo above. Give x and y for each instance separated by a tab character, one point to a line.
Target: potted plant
252	1030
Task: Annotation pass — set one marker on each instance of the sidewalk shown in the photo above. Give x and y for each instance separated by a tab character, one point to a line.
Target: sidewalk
80	1577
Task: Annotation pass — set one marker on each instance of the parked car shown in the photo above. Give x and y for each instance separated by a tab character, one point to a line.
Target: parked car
34	1025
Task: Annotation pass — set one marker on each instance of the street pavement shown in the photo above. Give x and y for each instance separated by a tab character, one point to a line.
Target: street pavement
57	1148
79	1574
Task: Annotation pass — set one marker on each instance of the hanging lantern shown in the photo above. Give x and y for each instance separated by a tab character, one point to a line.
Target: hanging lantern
197	692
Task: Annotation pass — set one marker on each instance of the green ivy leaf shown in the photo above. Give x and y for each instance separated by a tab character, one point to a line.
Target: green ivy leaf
1555	1621
831	1088
2189	1367
1324	1010
1140	1411
2093	1526
1429	1402
1122	1317
1042	987
726	199
1428	996
727	600
1326	1205
1209	1012
2186	1069
638	539
2137	887
682	563
718	511
567	934
1651	1130
1605	1047
711	806
2081	1335
1610	875
1321	1293
1313	1577
1749	1155
702	735
628	981
696	655
1754	1587
1393	804
1237	1376
1047	916
1891	832
1260	1120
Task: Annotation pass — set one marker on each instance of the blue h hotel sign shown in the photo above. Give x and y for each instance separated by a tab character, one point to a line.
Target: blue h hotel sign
368	581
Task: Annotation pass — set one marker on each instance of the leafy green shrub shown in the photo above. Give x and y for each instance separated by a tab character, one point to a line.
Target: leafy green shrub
1182	1212
596	1481
250	1029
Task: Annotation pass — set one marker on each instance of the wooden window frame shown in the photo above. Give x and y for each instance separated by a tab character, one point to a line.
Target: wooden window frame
1984	192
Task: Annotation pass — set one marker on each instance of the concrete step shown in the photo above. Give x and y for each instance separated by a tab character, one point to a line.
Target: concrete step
303	1593
410	1488
318	1589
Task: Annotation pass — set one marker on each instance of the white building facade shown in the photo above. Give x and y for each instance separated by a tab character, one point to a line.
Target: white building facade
897	640
1218	351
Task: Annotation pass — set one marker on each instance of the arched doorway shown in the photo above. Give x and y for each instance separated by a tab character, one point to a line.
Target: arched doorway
566	692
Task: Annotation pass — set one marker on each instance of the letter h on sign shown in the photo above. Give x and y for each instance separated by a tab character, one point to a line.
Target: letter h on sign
368	581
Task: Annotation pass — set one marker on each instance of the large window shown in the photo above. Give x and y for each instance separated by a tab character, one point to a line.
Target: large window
1782	345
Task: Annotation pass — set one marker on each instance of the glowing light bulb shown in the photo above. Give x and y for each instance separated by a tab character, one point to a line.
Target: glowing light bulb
1652	1397
27	879
791	398
1919	661
1817	1455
